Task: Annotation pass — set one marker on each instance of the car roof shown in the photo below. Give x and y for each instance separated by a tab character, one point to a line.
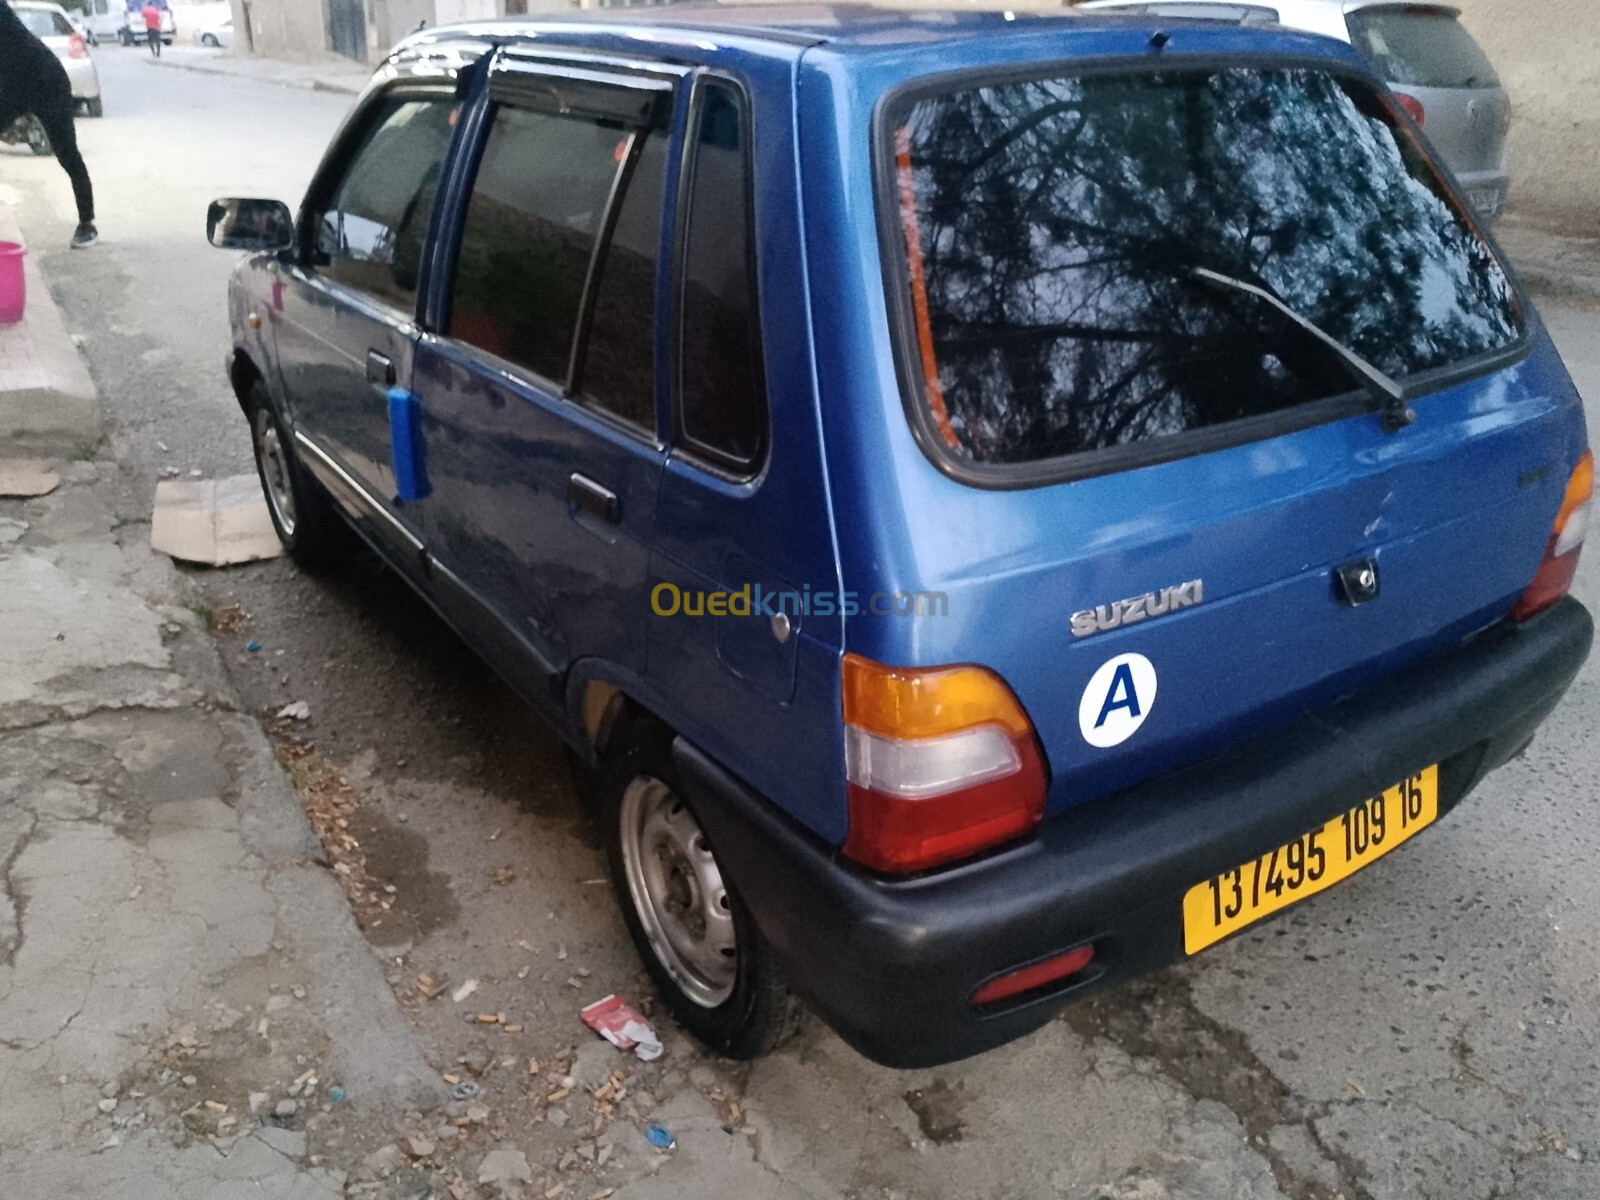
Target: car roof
783	28
38	5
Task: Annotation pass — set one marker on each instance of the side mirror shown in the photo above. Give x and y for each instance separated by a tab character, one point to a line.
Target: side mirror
235	224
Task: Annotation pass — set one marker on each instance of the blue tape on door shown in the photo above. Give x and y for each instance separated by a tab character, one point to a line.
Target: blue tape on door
405	446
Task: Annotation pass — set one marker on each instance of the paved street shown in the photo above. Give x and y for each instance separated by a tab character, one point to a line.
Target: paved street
1428	1030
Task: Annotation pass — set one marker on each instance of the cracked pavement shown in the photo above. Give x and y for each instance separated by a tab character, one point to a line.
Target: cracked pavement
156	876
1426	1031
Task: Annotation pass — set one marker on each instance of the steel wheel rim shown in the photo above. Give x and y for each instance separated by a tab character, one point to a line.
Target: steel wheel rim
678	892
274	464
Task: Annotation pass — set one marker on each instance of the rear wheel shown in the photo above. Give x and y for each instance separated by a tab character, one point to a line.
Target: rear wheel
209	39
312	532
714	969
95	107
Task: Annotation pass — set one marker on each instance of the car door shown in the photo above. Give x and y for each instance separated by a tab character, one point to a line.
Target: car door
537	381
346	311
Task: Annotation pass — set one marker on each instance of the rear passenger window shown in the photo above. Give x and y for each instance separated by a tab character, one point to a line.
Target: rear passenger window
721	394
375	223
1420	47
536	209
617	371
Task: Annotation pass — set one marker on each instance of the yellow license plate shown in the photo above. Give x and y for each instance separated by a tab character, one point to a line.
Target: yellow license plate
1317	860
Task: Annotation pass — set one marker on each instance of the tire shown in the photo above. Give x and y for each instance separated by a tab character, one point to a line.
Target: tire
307	523
723	986
95	107
38	139
208	39
124	37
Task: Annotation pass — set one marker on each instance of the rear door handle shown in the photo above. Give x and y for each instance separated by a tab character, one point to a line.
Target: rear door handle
587	496
380	369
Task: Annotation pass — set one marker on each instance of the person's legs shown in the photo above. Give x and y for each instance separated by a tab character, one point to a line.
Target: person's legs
54	111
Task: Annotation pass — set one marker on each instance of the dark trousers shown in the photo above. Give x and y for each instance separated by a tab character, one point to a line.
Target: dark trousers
50	99
155	41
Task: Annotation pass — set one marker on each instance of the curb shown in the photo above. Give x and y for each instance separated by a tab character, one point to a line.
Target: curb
48	402
335	86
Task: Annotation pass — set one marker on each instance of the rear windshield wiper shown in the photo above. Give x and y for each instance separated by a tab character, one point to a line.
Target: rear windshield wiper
1389	394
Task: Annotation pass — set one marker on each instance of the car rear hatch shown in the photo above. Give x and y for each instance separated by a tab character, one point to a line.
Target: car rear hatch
1167	515
1426	54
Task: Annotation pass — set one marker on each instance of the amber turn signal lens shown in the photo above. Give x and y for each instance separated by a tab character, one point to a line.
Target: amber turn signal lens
941	763
1559	566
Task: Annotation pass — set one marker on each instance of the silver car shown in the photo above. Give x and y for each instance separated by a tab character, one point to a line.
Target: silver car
49	23
1441	75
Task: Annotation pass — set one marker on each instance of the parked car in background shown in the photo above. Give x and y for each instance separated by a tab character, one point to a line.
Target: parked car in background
1434	65
1001	502
218	36
131	30
105	19
51	25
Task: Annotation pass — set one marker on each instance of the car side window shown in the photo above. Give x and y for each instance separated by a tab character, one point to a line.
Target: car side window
538	209
721	393
617	370
373	228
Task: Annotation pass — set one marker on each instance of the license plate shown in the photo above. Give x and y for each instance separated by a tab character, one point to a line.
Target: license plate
1312	862
1486	201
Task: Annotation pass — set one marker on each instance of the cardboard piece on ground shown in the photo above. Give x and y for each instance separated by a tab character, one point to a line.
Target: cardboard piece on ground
213	521
26	477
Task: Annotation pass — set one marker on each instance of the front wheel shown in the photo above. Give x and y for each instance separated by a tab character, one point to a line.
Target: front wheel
207	39
38	139
698	941
95	107
311	531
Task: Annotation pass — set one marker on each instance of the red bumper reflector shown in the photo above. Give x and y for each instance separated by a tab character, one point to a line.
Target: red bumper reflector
1035	976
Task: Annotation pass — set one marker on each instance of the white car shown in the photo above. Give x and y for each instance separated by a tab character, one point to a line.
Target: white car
51	25
216	36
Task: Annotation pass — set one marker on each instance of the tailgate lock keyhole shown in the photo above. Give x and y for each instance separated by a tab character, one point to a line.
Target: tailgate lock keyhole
1357	581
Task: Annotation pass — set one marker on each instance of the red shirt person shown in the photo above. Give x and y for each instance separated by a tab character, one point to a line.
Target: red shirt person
152	27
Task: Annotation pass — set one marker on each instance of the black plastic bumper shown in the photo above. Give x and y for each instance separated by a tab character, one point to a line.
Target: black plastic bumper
892	965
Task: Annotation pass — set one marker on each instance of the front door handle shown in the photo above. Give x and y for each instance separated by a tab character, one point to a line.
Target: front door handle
380	369
587	496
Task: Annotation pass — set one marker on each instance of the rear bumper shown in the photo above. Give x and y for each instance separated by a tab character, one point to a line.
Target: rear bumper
891	965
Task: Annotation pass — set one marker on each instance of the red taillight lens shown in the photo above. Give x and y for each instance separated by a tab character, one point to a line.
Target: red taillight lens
77	47
941	763
1412	105
1560	563
1029	978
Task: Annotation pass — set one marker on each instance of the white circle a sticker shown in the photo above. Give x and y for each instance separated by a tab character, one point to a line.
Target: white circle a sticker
1118	699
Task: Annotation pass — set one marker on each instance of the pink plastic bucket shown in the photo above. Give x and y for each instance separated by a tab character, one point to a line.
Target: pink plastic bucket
13	290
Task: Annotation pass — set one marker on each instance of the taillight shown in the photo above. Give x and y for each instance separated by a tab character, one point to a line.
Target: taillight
77	47
1554	577
941	763
1412	105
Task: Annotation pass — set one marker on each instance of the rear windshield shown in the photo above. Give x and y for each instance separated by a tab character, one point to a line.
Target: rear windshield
42	22
1420	47
1052	228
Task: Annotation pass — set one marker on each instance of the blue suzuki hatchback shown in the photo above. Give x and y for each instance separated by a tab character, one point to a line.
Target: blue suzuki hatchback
1001	502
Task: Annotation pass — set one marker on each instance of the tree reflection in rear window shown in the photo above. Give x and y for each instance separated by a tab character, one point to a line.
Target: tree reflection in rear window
1051	227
